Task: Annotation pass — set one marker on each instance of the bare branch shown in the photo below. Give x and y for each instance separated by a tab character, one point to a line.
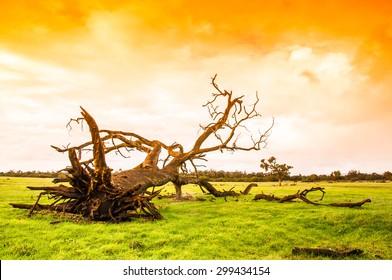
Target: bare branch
74	120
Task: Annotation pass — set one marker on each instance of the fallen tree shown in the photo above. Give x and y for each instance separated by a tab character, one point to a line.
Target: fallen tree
97	193
301	195
326	252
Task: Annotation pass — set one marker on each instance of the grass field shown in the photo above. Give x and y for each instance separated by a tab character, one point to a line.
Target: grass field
205	230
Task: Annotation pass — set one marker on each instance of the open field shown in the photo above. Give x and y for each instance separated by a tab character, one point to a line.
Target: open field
243	229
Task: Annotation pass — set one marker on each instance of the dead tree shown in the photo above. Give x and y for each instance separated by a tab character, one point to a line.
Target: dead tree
350	204
97	193
302	196
326	252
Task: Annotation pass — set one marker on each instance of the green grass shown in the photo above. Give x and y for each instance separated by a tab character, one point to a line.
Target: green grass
205	230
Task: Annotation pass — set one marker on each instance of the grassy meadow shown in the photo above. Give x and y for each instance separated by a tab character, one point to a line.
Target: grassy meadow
205	230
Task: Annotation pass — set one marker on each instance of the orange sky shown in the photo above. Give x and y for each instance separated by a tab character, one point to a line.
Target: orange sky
323	70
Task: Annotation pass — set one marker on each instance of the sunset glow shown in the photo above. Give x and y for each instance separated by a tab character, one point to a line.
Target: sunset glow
323	70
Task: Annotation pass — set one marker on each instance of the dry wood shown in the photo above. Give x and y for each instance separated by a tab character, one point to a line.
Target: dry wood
248	188
350	204
266	197
212	190
302	196
326	252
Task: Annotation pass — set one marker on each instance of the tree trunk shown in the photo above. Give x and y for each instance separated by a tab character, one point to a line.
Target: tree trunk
178	189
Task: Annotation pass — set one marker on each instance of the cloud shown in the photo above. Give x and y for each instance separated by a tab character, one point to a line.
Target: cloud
320	70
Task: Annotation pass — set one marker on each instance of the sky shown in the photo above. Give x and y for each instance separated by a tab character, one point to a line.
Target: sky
323	71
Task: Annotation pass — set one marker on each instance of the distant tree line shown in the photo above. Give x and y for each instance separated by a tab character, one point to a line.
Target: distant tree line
36	174
243	176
